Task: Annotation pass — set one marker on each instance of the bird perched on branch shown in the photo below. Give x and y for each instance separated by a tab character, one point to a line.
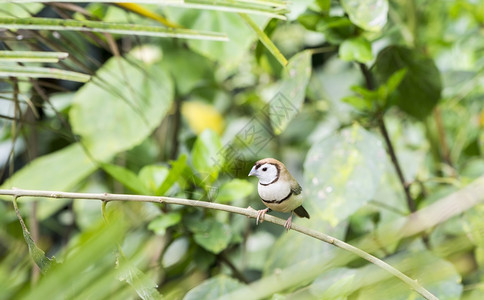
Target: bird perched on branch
278	190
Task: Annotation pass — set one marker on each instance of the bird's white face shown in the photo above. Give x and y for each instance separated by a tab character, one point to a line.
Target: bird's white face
267	173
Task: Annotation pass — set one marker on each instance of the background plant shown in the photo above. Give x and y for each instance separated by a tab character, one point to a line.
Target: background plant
376	106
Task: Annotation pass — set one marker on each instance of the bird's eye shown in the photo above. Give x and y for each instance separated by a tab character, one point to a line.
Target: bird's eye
264	169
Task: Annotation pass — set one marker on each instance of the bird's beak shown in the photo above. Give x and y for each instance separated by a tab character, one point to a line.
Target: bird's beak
253	171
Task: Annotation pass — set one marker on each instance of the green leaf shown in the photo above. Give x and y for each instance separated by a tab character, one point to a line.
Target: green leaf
419	91
371	100
121	106
370	15
361	104
177	168
126	177
38	255
395	79
204	154
234	189
212	235
153	176
213	288
343	172
162	222
285	105
356	49
265	40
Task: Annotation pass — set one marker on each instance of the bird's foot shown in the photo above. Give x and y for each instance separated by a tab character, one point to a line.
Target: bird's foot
260	215
288	223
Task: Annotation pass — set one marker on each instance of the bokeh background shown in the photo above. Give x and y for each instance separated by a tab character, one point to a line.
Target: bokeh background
375	106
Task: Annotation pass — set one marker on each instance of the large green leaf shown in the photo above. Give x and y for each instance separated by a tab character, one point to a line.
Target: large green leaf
121	106
419	91
288	101
213	288
368	14
343	172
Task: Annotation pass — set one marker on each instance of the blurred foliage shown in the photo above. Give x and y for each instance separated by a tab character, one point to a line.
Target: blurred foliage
188	118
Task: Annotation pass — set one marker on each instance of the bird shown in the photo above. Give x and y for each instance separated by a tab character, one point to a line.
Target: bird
278	190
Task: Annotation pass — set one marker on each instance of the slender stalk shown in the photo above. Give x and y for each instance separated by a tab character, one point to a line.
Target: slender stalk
370	84
406	187
249	212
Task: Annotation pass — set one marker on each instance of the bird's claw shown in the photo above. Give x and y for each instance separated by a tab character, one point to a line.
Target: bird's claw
288	223
260	215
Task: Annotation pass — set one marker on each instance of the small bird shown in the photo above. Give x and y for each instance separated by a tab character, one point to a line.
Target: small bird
278	190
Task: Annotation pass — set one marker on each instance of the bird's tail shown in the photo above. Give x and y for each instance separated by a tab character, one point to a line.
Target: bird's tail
301	212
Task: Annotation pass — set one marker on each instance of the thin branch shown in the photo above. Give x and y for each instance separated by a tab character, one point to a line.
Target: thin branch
370	84
249	212
391	151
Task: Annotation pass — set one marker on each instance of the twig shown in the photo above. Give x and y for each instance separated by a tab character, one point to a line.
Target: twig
406	187
370	84
249	212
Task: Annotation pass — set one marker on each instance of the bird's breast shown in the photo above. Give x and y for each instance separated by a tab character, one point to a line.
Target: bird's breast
275	191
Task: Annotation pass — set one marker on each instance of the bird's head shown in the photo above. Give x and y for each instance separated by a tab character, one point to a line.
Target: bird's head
267	170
